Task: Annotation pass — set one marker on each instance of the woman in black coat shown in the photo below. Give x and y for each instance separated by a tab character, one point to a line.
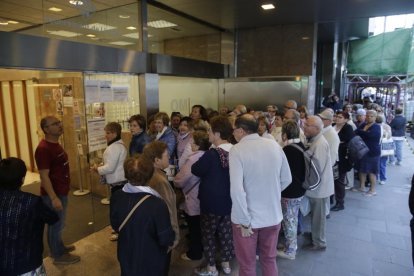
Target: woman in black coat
345	133
146	237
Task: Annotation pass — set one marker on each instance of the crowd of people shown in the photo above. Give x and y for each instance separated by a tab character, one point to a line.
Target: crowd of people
235	175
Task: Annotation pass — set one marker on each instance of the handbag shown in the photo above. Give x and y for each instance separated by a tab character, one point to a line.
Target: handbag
357	149
131	212
387	147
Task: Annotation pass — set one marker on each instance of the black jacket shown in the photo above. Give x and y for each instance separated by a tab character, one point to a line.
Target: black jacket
145	238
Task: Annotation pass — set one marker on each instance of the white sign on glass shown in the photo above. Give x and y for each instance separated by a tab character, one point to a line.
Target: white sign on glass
96	134
92	91
120	93
105	91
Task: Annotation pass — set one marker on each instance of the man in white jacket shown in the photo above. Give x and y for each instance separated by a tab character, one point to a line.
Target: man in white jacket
259	171
319	198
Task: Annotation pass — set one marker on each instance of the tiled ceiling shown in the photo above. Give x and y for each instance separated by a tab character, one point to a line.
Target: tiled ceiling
339	19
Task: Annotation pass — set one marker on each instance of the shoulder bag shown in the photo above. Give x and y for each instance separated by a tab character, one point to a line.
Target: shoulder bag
131	212
387	147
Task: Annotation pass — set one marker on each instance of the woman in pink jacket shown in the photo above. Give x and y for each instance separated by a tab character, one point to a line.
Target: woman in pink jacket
189	184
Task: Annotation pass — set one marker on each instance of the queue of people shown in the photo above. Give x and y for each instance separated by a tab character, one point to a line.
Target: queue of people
238	183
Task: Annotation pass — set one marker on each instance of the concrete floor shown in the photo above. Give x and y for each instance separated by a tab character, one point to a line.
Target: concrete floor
370	237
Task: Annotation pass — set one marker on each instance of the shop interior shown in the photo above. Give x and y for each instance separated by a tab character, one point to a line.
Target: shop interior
84	102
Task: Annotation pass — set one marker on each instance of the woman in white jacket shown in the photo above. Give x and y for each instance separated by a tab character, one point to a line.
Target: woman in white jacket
112	168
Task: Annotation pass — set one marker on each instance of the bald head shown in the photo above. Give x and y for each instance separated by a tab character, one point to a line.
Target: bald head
291	104
240	109
313	126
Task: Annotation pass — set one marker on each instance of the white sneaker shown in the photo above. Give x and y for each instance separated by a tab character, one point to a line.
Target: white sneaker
382	182
113	237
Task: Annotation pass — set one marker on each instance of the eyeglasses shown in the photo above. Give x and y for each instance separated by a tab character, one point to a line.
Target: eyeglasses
57	123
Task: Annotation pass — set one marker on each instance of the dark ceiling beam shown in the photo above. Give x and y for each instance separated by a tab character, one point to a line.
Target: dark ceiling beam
185	15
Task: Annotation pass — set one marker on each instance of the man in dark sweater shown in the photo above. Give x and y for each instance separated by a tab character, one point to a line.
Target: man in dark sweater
23	216
398	134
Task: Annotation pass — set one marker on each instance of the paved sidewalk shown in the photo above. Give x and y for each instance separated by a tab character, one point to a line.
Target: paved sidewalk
370	237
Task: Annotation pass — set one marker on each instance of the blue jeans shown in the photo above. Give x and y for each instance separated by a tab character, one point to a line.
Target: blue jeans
383	168
54	232
398	151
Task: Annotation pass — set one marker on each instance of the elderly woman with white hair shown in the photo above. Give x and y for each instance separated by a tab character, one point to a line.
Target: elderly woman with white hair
370	132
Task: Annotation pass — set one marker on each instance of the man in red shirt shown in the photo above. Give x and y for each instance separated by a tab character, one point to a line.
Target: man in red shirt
53	165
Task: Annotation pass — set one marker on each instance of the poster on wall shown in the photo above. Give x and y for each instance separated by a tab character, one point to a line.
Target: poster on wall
105	91
96	134
67	95
77	121
91	91
67	90
120	93
57	94
59	107
67	101
76	109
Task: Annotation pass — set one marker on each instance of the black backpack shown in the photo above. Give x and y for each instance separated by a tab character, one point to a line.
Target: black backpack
312	177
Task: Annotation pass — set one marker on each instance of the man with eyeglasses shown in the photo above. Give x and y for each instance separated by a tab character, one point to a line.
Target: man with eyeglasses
53	165
259	172
319	198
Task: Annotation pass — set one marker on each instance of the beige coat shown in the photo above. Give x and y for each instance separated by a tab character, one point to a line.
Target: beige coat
160	183
320	147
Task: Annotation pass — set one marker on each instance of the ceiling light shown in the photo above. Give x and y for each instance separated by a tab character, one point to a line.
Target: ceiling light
76	2
94	38
55	9
90	35
268	6
12	22
305	37
161	24
132	35
4	23
131	28
121	43
64	33
99	27
124	16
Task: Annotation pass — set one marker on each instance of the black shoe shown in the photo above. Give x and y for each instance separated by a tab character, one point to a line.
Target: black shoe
337	208
307	235
312	247
328	216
